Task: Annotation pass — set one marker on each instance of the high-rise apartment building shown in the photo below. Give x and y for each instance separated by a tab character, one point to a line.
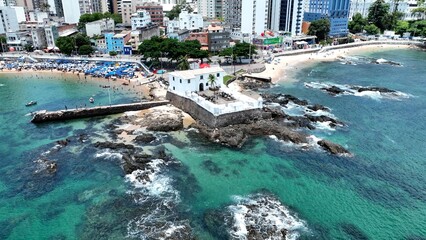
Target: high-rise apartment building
211	8
286	15
337	11
254	16
232	13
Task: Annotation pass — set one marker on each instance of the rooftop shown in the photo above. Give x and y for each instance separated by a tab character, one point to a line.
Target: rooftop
188	74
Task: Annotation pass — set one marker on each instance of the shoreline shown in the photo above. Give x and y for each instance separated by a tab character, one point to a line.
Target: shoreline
144	91
283	68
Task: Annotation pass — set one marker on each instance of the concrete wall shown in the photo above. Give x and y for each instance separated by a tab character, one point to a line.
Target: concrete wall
44	116
208	118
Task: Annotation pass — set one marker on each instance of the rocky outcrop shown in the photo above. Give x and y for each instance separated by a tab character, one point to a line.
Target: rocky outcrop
376	89
163	120
237	135
283	99
44	166
145	138
112	145
333	148
333	90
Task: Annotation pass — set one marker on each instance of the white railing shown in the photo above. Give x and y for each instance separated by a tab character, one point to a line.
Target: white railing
242	102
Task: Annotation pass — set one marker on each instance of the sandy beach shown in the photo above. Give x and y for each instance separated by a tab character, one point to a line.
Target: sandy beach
149	91
282	69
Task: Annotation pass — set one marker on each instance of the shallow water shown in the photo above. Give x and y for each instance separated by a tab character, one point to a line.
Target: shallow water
380	193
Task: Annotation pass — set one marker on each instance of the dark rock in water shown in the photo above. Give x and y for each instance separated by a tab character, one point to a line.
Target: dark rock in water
376	89
45	166
276	111
317	107
83	137
299	122
112	145
353	231
296	100
211	166
283	99
145	138
323	118
63	142
333	148
333	90
214	221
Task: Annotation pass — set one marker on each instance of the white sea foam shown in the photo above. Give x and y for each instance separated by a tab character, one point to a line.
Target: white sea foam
153	189
352	90
325	126
293	109
264	214
106	154
2	85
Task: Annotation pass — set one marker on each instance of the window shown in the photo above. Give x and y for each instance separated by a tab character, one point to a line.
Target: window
173	88
218	75
189	80
173	78
201	77
180	80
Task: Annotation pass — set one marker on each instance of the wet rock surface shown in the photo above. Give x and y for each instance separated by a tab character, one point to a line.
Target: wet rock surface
333	148
257	216
145	138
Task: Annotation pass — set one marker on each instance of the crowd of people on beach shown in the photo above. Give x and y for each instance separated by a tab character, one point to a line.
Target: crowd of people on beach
113	70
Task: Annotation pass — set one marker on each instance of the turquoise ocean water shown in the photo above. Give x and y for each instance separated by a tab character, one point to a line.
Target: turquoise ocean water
380	193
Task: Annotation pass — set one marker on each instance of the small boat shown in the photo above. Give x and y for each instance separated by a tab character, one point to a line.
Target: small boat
31	103
91	100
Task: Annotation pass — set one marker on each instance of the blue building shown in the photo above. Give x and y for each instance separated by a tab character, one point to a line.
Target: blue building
116	42
337	11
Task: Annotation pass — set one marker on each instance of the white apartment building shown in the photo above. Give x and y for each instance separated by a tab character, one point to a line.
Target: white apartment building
186	20
99	27
254	16
140	19
9	19
37	16
71	11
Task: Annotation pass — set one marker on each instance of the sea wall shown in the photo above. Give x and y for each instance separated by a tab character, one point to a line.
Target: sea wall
46	116
199	113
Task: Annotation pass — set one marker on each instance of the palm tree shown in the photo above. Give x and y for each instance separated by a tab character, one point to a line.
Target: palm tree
213	86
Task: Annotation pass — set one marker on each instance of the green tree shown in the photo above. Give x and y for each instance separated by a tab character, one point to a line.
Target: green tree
183	63
113	53
402	27
81	40
245	50
419	13
320	28
114	16
3	42
85	50
29	47
151	49
177	9
65	45
372	29
357	24
378	14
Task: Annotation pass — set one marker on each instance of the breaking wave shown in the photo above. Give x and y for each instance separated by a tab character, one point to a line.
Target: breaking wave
370	92
153	189
262	215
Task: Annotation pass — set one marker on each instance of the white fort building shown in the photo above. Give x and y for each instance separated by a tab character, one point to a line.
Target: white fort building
197	85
